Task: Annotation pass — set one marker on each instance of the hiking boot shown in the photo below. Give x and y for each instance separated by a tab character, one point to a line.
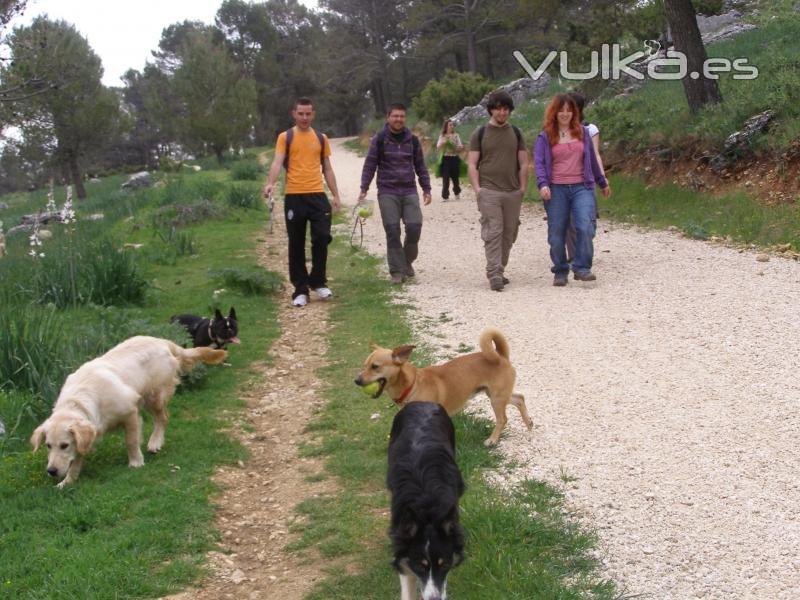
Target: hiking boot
496	283
300	300
396	279
323	293
584	276
505	280
410	271
560	280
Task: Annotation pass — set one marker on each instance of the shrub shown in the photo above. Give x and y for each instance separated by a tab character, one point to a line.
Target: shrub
244	196
177	215
246	170
250	281
78	272
445	97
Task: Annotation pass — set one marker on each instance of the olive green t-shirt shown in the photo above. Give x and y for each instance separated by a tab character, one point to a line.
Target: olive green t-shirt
497	167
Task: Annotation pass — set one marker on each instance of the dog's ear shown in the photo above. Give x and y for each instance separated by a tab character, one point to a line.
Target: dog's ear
373	346
401	354
38	436
218	315
232	313
84	435
400	564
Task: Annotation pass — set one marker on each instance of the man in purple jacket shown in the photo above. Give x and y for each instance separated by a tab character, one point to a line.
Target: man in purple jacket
397	155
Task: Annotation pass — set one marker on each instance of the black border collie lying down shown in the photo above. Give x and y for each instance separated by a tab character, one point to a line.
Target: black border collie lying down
425	484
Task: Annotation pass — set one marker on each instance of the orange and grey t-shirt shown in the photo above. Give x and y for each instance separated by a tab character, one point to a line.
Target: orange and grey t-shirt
305	173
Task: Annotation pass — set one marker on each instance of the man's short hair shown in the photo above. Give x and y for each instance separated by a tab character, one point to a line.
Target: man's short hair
303	101
499	99
396	106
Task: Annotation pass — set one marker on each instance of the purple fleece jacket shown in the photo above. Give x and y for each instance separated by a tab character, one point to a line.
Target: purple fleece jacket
400	164
543	159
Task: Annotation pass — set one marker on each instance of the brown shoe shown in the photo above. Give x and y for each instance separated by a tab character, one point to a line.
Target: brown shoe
585	276
397	279
560	280
496	283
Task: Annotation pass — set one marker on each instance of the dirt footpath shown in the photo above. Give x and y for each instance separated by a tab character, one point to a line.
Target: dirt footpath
257	506
665	395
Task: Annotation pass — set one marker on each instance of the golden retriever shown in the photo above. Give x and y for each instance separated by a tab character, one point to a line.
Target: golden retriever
108	392
452	383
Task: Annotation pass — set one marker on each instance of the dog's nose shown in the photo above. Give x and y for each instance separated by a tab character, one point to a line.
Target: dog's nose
358	380
52	471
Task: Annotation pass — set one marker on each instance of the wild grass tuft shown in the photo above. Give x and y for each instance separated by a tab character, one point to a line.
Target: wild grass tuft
251	281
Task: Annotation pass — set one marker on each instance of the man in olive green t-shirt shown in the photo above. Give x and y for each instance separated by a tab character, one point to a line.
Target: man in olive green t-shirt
498	172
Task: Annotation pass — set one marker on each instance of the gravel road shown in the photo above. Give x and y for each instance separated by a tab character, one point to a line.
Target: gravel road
665	395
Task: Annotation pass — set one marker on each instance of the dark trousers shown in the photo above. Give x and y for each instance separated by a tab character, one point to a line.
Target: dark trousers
299	210
451	168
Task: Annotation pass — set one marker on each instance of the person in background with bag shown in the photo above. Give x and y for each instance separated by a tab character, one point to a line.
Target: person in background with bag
449	145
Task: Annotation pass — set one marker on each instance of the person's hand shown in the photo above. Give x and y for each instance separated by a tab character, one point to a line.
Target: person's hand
607	191
362	196
268	190
426	198
336	204
544	192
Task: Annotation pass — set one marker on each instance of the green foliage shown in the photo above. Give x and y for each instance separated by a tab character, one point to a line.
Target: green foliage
708	7
79	271
628	121
247	170
179	215
218	103
446	96
735	216
244	196
251	281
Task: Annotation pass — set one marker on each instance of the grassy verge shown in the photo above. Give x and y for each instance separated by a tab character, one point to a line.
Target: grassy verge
737	216
120	532
520	545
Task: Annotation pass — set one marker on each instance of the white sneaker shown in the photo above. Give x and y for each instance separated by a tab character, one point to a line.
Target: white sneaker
323	293
458	197
300	300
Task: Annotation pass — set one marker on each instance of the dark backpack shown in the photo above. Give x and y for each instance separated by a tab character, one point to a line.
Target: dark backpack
290	135
482	130
382	140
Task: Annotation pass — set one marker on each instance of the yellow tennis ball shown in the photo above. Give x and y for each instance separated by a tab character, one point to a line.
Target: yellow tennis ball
364	212
371	388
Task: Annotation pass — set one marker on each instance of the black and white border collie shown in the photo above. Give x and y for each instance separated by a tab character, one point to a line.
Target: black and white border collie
425	485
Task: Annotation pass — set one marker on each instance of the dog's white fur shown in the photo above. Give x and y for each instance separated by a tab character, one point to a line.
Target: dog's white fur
108	392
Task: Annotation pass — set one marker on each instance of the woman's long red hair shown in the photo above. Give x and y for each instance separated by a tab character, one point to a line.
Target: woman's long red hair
550	122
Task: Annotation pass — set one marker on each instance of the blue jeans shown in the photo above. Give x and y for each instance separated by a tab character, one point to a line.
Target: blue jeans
577	201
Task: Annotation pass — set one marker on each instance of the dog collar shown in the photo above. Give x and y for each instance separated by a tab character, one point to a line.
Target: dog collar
406	392
212	337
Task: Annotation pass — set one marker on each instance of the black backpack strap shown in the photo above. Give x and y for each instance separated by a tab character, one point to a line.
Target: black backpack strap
289	136
321	139
381	139
481	132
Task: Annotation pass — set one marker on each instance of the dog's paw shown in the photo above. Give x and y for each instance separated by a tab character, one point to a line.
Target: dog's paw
135	463
64	483
153	448
489	442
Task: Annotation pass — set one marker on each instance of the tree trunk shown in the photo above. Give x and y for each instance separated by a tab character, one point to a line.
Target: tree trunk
489	66
472	54
686	36
76	176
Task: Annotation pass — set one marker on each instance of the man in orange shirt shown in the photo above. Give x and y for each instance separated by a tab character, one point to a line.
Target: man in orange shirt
305	154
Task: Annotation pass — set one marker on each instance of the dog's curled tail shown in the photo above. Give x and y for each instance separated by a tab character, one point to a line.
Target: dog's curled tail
189	357
490	339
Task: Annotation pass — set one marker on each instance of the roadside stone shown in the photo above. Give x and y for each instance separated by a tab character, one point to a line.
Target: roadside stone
238	576
762	257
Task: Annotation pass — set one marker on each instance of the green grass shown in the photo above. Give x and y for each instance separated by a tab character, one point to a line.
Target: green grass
521	544
738	216
120	532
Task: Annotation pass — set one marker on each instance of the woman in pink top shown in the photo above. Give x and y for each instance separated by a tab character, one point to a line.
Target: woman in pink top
567	170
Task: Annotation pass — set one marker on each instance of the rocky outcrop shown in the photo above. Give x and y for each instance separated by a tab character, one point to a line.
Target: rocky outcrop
520	90
738	143
143	179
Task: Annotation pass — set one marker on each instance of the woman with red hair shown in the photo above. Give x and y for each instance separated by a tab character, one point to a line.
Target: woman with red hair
567	171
